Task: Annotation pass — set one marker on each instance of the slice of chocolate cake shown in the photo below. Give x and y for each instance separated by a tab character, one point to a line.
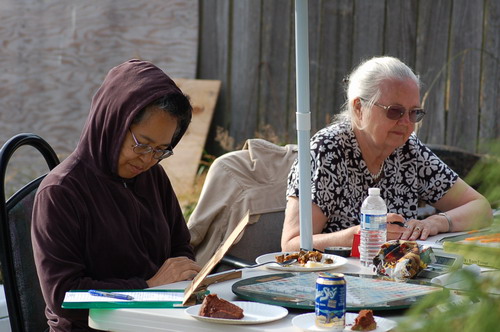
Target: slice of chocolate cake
364	321
215	307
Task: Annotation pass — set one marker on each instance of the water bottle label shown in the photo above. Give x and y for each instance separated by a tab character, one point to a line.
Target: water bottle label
374	222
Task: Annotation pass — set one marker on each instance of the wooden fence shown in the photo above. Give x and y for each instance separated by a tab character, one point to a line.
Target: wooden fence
453	44
55	54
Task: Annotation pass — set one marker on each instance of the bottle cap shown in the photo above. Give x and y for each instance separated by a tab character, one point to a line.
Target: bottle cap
374	191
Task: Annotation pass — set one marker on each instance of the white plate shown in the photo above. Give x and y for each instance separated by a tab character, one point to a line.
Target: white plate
305	322
254	313
337	262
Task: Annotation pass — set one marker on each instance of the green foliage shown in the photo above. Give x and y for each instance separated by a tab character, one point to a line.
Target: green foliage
485	175
188	209
189	201
474	310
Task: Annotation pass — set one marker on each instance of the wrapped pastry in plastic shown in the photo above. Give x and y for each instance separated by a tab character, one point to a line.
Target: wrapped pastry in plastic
401	260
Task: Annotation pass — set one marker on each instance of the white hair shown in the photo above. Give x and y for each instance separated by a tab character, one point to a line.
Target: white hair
366	79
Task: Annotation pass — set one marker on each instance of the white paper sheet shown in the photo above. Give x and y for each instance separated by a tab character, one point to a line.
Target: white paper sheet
138	297
448	279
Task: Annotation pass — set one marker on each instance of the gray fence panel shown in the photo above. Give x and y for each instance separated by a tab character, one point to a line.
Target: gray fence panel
244	67
214	46
432	65
401	29
490	76
465	57
334	60
276	39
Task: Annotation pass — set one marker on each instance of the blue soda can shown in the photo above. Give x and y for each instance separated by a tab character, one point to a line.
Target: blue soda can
330	301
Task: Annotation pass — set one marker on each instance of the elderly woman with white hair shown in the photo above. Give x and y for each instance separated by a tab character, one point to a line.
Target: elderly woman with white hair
372	144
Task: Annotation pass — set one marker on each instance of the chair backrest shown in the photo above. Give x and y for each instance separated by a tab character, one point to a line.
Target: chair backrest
262	237
459	160
22	288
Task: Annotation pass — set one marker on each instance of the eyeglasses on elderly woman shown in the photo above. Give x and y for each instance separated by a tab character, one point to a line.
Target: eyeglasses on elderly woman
396	112
159	154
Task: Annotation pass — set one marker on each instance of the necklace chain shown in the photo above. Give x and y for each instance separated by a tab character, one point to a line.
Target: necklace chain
376	176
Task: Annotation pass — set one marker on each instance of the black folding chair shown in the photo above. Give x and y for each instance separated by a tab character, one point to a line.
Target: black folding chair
459	160
22	288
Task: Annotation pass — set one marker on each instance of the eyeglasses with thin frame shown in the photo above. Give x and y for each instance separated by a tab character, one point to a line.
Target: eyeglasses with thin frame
396	112
145	149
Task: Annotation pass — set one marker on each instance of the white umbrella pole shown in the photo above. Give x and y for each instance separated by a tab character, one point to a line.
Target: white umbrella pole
303	122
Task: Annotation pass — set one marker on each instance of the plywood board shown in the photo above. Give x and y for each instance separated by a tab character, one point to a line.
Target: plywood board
183	165
224	247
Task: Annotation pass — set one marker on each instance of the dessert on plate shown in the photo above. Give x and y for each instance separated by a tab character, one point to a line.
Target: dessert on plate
215	307
304	257
364	321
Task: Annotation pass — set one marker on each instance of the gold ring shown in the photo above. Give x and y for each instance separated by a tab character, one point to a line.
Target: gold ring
417	228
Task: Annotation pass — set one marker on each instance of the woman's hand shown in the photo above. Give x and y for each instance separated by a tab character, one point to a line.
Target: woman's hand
422	229
174	269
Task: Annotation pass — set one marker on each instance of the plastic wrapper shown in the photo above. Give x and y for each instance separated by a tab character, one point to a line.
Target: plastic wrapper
401	260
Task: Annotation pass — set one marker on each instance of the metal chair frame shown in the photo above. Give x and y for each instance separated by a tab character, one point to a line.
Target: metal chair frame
20	320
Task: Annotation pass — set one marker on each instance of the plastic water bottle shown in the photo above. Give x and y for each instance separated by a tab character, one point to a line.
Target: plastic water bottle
373	226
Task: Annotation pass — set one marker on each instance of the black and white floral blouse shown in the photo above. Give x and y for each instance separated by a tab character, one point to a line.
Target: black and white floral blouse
340	178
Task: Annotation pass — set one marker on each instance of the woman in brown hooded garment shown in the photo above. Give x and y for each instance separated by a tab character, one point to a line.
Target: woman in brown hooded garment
107	216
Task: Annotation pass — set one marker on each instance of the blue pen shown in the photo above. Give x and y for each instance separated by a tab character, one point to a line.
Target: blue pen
112	295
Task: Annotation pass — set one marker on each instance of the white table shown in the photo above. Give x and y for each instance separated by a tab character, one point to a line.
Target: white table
132	320
4	314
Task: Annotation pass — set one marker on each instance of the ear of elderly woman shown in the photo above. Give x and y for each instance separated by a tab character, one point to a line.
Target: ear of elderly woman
372	143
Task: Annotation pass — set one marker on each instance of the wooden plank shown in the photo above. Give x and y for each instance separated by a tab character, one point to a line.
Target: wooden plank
400	30
490	76
334	59
465	57
291	89
277	32
368	34
214	62
432	66
315	43
244	69
183	165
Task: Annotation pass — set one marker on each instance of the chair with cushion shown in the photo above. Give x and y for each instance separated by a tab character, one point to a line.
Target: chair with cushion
25	302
